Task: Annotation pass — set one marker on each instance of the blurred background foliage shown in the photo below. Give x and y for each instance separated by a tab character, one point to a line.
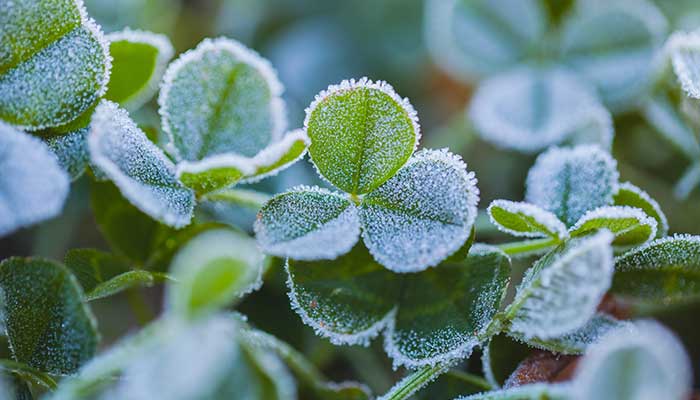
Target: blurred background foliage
314	43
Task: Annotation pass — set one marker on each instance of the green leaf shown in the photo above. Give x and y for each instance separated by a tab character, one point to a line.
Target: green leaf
665	272
39	41
630	226
571	181
221	98
684	49
562	290
432	199
632	196
361	133
28	374
143	174
536	391
501	355
279	156
33	187
211	270
433	316
71	151
214	173
47	322
307	223
139	59
600	39
527	220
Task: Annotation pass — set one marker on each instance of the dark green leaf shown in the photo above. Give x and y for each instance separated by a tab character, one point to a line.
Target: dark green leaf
632	196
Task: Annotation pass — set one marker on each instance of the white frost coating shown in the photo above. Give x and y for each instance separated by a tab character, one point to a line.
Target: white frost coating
529	109
242	55
684	50
165	53
275	152
143	174
307	223
642	257
543	217
399	390
662	225
33	186
571	181
561	292
229	160
362	338
71	151
423	214
616	213
486	365
643	360
530	391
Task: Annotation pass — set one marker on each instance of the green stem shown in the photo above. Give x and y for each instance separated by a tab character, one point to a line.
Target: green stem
472	379
528	246
409	385
251	199
139	306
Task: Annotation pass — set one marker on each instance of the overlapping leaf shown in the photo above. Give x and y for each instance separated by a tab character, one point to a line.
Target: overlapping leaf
630	226
684	51
71	151
632	196
524	219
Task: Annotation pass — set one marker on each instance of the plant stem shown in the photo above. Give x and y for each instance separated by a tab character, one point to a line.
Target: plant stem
413	382
251	199
527	246
139	306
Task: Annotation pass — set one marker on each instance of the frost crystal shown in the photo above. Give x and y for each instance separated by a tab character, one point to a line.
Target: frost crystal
71	151
524	219
630	225
571	181
279	155
308	223
684	50
561	292
422	214
632	196
144	175
669	251
33	186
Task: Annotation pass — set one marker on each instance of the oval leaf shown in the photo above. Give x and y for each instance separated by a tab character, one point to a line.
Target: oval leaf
630	226
632	196
307	223
423	214
33	187
524	219
54	62
71	151
684	50
214	172
361	133
571	181
144	175
47	322
279	156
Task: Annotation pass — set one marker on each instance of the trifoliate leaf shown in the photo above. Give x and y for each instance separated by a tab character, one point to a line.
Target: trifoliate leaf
279	155
434	316
144	175
361	133
663	273
529	109
630	226
500	356
103	274
54	62
33	186
423	214
562	290
213	269
612	44
475	38
684	49
307	223
632	196
139	59
534	391
221	98
642	361
46	320
524	219
571	181
71	151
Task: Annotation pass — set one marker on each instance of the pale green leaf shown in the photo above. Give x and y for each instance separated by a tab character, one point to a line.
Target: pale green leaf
630	225
423	214
632	196
361	133
214	172
71	151
536	391
28	374
524	219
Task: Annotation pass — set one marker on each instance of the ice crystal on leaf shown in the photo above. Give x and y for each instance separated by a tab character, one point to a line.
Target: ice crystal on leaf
630	226
144	175
632	196
33	186
684	52
524	219
71	151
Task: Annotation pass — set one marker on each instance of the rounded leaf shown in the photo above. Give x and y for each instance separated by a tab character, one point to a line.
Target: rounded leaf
279	156
632	196
630	226
361	133
524	219
71	151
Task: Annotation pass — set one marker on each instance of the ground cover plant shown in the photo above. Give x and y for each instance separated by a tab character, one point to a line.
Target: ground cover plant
174	225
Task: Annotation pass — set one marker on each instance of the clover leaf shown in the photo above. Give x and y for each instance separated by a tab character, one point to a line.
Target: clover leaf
631	226
632	196
525	219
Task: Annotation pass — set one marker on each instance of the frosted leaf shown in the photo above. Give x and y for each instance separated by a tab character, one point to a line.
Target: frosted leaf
475	38
571	181
660	274
612	44
423	214
144	175
54	62
528	109
46	320
221	98
684	50
307	223
279	156
501	356
211	270
139	59
214	172
348	300
629	225
413	382
71	151
361	133
33	187
524	219
666	119
562	290
644	361
549	391
632	196
443	312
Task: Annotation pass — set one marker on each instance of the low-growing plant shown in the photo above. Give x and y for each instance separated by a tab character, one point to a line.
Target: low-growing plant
388	242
